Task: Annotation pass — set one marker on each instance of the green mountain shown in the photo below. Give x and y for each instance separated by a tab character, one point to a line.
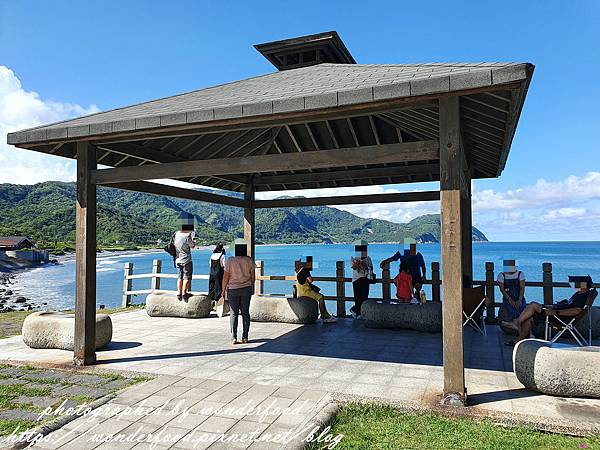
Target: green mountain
45	212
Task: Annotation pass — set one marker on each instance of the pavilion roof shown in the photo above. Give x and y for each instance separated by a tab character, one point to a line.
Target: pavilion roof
279	112
314	87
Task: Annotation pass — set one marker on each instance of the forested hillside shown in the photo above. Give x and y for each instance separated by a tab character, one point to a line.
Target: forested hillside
45	212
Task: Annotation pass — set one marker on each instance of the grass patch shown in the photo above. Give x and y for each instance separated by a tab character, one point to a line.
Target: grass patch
385	427
11	322
9	392
8	426
80	399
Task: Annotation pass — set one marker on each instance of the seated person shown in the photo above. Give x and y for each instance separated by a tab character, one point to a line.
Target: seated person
512	285
305	288
535	313
403	282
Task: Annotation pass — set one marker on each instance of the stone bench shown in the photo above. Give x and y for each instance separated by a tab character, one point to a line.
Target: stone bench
568	372
426	317
57	330
271	308
167	305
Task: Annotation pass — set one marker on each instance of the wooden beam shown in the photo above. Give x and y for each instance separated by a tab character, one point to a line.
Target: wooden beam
143	153
451	170
85	260
375	154
249	221
178	192
399	197
349	174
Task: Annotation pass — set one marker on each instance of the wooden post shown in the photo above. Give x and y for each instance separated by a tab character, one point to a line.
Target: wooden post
156	269
259	271
85	261
249	221
340	289
452	187
490	290
547	281
127	284
435	281
386	287
467	234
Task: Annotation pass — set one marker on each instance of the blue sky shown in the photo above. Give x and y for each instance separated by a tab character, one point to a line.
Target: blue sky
70	58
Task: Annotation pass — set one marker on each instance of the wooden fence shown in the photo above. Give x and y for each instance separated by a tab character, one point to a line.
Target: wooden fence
433	279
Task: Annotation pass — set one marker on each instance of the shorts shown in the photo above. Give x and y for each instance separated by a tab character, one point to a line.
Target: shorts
185	270
417	279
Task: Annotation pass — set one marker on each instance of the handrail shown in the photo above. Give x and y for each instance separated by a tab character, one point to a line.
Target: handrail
386	281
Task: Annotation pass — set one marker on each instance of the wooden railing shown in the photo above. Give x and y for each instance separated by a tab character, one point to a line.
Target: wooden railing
433	279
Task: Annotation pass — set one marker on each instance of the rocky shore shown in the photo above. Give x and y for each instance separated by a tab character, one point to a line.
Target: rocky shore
10	299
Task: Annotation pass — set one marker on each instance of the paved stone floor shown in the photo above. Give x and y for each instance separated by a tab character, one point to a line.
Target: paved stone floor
290	366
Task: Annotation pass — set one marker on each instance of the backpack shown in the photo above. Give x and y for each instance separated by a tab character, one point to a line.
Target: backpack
170	248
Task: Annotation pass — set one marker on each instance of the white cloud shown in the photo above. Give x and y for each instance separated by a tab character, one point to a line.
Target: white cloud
21	109
542	193
564	213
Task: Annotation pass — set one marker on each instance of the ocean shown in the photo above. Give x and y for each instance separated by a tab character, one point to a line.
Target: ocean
55	284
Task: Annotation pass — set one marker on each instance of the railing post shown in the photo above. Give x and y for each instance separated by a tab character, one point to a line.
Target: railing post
490	291
127	285
259	271
340	289
547	283
156	269
435	281
385	285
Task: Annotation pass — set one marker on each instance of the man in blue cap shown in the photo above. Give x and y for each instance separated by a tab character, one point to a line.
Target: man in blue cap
418	270
184	243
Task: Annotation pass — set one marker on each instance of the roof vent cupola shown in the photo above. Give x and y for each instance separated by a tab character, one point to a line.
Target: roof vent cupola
306	51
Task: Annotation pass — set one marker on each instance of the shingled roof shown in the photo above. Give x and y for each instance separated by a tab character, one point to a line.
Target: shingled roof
307	88
318	100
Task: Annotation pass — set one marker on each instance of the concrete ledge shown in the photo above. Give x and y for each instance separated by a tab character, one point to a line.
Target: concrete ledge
167	305
57	330
568	372
270	308
427	317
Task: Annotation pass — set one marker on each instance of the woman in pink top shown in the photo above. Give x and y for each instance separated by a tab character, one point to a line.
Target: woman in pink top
238	287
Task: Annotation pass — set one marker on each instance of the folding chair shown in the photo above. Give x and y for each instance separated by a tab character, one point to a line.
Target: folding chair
474	302
559	325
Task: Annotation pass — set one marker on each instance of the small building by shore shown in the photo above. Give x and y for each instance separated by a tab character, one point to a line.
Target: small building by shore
21	248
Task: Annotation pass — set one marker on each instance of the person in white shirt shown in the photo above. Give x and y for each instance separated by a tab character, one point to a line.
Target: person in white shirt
184	243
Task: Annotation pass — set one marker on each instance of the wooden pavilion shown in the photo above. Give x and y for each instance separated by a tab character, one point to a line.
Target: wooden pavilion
320	121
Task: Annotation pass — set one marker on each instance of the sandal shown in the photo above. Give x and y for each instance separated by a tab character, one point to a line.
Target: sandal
244	341
234	342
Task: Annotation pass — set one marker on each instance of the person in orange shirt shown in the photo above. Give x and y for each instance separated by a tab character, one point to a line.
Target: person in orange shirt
403	282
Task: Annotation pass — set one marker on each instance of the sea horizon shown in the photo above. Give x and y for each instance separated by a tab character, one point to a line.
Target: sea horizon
55	284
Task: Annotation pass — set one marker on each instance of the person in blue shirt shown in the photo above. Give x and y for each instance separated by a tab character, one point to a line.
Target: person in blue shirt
418	270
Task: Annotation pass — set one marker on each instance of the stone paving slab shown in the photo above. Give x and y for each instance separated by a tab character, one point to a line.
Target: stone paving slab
287	364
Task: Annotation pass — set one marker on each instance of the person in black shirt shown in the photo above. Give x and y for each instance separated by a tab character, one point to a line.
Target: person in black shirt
535	312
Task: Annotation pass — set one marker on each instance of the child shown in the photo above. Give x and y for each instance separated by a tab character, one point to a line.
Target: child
403	282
